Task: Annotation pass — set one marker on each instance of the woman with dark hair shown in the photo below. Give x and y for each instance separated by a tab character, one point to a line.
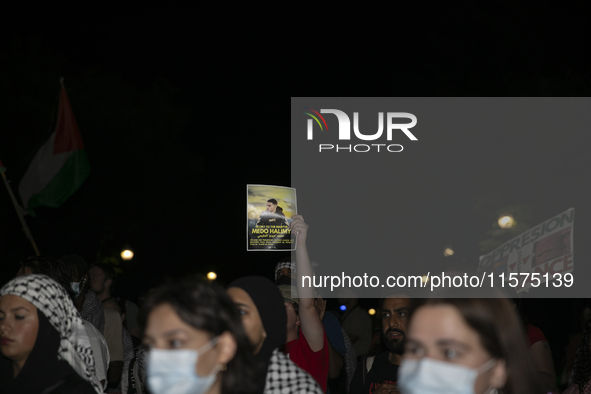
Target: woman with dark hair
197	342
582	367
466	345
264	318
70	272
45	347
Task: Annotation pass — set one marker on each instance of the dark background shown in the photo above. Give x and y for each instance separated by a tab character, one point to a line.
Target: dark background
178	115
170	156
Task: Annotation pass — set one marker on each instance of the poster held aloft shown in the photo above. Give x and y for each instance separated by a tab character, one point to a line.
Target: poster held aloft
269	210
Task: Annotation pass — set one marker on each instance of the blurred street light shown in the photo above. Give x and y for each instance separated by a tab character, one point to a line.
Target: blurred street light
425	279
448	251
372	311
506	221
212	275
126	254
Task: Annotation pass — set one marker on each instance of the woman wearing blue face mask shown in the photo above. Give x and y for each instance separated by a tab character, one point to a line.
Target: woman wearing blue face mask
467	346
197	343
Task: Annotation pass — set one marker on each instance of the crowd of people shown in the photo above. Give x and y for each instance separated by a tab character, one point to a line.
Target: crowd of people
63	331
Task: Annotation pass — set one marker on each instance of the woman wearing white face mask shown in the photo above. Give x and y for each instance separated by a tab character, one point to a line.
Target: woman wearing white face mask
197	342
467	346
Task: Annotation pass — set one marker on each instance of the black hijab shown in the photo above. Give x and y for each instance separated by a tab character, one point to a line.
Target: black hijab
42	368
269	303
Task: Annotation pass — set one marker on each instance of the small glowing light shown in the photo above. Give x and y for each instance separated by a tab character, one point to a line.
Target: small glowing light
127	254
372	311
212	275
448	252
343	308
425	279
506	221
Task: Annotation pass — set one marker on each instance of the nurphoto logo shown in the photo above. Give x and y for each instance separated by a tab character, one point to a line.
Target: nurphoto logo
345	130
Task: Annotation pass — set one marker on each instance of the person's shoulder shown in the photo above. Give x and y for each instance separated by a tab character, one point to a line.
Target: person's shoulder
130	305
110	303
534	334
301	340
111	314
284	376
91	297
90	329
533	329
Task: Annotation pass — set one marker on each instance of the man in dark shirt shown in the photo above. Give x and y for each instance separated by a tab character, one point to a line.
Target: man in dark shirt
379	374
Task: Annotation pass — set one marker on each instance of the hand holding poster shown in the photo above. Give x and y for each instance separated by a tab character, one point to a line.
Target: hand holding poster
269	212
546	248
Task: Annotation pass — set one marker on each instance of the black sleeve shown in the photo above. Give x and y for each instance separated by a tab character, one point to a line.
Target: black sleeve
84	388
74	385
356	386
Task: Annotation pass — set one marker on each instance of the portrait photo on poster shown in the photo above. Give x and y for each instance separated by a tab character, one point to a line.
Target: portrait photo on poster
269	212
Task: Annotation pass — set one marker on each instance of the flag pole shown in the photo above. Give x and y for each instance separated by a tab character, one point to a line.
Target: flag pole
18	210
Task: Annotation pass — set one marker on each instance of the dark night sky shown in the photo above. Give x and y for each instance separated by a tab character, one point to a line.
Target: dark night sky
169	138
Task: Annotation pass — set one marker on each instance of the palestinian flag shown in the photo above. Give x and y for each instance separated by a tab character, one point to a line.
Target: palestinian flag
59	167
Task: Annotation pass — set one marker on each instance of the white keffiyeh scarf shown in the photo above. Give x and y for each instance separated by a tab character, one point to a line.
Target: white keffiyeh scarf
51	299
290	265
284	376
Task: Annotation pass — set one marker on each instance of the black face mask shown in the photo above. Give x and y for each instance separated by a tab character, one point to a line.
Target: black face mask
283	280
